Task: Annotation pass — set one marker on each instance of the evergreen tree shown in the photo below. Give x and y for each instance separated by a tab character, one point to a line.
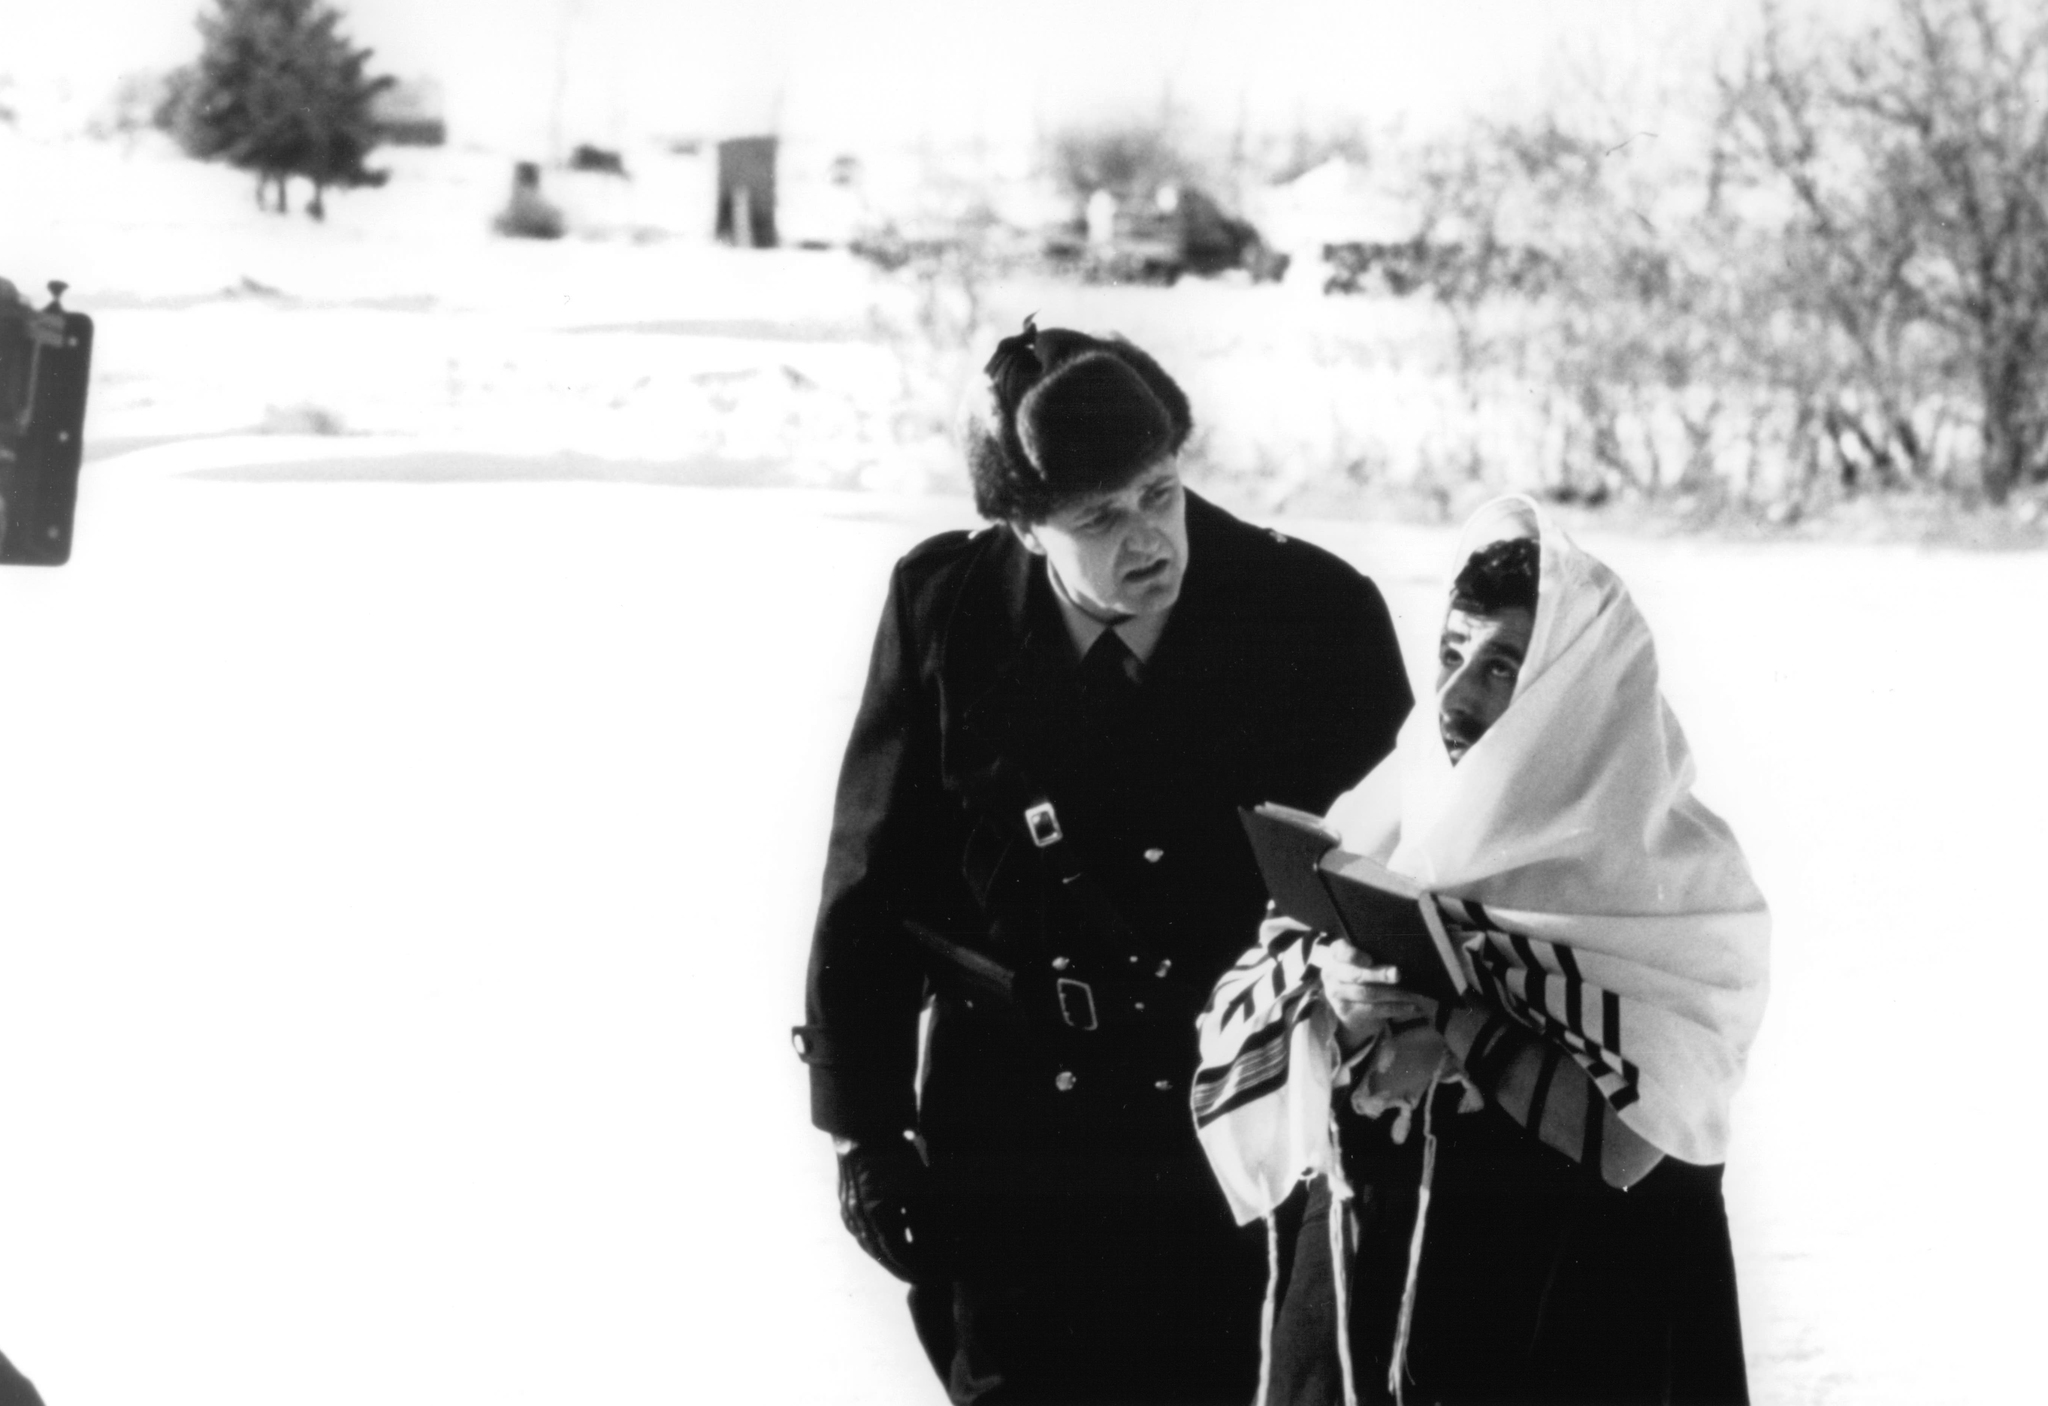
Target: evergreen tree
280	91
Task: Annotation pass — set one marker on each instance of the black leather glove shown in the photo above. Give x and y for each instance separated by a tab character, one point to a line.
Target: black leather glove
889	1201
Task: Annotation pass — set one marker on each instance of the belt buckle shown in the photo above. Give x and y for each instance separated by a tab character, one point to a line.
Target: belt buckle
1043	824
1076	996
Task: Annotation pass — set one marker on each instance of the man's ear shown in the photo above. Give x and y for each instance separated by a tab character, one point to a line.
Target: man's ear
1029	537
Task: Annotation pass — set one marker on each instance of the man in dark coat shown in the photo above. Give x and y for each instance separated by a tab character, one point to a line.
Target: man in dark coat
1037	838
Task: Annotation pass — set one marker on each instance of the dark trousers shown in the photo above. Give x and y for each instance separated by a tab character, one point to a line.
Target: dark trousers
1102	1297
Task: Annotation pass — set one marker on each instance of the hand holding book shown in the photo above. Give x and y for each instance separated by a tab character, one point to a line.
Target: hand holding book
1389	924
1364	997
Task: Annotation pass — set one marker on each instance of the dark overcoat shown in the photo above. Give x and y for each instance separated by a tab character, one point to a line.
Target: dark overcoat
1064	977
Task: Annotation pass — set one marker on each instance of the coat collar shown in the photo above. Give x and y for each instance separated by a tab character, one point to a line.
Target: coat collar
1005	661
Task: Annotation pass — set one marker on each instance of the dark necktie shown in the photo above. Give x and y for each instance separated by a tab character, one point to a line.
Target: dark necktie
1109	672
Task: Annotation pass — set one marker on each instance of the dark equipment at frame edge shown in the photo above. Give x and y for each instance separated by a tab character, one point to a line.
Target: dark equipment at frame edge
45	365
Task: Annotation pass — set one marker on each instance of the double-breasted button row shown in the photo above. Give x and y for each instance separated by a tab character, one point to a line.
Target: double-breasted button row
1060	964
1065	1081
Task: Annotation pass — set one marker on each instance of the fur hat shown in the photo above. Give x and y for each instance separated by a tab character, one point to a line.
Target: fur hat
1068	414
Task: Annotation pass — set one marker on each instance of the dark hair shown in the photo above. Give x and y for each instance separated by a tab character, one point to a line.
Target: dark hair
1499	576
1068	414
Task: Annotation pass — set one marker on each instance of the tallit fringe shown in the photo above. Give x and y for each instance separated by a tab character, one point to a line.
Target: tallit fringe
1340	1261
1267	1314
1343	1237
1343	1240
1397	1366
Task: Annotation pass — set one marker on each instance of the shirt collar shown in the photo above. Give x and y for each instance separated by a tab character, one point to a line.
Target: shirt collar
1140	632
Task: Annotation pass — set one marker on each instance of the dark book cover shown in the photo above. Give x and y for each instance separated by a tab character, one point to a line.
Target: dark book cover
1385	915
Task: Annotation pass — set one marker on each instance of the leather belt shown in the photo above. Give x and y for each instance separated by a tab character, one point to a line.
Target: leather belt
1075	1001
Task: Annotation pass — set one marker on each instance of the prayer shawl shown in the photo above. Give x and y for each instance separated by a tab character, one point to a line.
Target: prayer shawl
1600	904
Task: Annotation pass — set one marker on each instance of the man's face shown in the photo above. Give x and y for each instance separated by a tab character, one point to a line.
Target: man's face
1121	552
1477	665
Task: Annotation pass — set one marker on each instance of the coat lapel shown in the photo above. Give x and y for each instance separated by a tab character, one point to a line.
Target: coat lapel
1206	663
1005	670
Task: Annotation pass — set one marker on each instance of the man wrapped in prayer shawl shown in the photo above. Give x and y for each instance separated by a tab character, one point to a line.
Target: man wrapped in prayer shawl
1516	1198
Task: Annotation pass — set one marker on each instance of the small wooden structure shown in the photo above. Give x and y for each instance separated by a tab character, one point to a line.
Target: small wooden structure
746	192
411	112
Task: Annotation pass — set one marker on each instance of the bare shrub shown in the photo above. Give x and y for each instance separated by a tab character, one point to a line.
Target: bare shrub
305	418
1908	162
1126	158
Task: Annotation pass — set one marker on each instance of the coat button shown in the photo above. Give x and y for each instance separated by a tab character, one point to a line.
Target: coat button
1163	1085
1060	964
1064	1081
1163	968
1153	856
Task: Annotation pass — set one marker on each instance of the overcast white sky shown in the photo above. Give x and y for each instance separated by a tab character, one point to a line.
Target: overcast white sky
879	68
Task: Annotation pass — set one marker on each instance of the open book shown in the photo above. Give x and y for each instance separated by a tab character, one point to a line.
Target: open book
1386	916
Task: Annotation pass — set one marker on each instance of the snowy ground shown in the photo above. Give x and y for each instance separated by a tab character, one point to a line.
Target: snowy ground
410	837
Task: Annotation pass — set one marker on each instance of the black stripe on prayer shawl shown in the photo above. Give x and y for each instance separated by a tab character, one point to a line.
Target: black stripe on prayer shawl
1282	941
1596	1114
1610	1021
1245	1093
1243	1096
1615	1077
1489	1060
1249	962
1487	979
1259	1066
1573	984
1498	961
1537	975
1247	998
1595	1060
1480	917
1535	1004
1537	1099
1251	1051
1621	1072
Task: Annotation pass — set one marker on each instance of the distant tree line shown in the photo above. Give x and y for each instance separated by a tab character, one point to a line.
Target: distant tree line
1850	294
1843	290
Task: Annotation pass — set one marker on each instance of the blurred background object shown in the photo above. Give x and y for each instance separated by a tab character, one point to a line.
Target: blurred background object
1751	266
